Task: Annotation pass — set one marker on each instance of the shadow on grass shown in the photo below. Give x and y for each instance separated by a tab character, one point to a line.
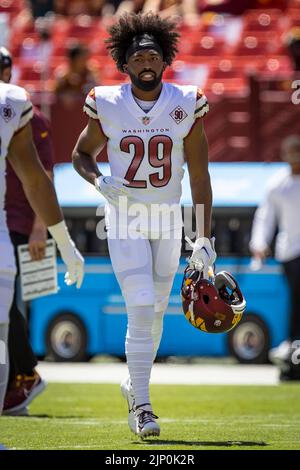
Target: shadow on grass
205	443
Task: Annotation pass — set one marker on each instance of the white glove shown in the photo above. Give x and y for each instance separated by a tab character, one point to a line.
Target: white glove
74	262
203	256
69	253
111	187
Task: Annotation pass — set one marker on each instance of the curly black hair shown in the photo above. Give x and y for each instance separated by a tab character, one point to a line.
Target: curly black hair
131	25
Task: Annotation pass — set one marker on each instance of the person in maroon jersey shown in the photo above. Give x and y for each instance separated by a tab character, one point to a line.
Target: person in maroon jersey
24	226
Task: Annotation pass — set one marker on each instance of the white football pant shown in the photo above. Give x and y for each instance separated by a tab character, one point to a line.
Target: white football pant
7	278
145	268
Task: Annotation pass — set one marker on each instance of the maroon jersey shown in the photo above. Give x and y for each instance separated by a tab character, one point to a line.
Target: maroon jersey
20	216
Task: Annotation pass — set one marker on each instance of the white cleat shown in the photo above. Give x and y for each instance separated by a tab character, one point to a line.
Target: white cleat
146	425
127	392
281	353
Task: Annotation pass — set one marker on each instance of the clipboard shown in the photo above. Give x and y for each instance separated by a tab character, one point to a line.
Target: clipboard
38	278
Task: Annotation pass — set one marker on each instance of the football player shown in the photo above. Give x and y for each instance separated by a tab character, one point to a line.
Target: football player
17	146
150	129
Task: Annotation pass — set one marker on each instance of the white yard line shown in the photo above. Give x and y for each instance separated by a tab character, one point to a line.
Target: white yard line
181	374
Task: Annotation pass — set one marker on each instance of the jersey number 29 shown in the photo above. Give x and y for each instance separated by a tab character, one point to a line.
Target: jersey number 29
158	144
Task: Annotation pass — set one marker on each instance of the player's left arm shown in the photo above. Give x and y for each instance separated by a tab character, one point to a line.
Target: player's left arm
44	146
196	154
37	186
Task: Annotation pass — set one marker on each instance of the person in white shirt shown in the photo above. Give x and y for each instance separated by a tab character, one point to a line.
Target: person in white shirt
151	128
281	209
16	144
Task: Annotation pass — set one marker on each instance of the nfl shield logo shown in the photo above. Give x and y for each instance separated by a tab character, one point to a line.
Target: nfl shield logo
145	120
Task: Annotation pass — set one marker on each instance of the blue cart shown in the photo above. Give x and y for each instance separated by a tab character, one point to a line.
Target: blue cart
77	325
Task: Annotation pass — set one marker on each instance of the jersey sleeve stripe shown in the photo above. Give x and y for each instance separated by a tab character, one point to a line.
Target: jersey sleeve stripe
90	107
90	111
25	117
202	111
91	101
201	101
201	107
26	111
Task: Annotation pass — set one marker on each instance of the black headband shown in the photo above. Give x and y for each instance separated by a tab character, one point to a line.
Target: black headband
143	41
5	58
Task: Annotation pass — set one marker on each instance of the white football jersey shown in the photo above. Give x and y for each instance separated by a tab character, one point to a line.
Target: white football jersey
146	148
15	112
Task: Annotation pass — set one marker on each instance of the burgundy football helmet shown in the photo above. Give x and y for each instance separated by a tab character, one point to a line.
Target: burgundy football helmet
213	306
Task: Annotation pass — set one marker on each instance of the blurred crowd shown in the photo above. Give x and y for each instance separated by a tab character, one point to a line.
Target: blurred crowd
40	8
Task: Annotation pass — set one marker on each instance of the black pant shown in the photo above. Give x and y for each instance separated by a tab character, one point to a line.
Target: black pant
292	272
21	357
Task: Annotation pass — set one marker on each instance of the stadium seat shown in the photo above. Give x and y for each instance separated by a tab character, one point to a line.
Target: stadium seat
31	72
229	86
277	64
11	7
258	44
205	45
108	71
226	68
294	16
258	20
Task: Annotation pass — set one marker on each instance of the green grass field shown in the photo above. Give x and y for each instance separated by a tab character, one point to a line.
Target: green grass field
71	416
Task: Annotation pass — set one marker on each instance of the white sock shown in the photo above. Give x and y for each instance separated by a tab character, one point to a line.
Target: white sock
4	365
139	350
157	330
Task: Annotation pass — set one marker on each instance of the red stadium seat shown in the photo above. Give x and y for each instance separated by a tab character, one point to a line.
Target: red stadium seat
258	44
226	68
294	16
60	50
258	20
60	29
11	7
231	86
81	28
205	45
169	73
32	86
108	71
196	59
277	64
31	72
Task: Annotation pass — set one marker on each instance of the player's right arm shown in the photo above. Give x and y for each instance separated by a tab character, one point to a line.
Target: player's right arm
90	143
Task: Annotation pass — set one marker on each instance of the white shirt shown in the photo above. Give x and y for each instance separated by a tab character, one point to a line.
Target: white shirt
147	148
15	112
281	208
